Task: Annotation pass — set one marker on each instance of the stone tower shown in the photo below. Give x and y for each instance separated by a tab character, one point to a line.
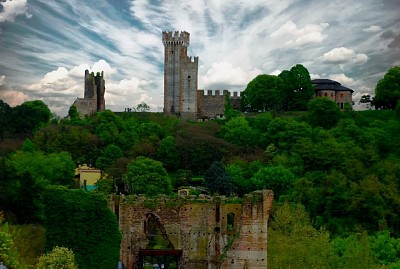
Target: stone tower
95	89
180	75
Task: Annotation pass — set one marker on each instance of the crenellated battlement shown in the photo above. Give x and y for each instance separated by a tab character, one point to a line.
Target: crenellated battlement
171	39
218	93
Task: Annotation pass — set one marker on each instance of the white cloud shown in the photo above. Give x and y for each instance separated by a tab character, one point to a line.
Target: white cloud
343	79
343	55
12	97
276	72
315	76
292	35
372	29
13	8
2	80
224	73
54	76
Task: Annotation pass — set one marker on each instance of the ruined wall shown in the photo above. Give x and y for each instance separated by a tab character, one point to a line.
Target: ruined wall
210	231
93	100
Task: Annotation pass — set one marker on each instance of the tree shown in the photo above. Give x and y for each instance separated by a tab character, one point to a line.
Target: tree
58	258
147	176
264	93
30	115
297	88
387	90
67	215
294	243
166	152
323	112
277	178
73	113
217	179
5	118
110	154
237	131
142	107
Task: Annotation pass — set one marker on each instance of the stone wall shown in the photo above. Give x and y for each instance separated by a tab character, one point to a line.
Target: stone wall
212	105
210	231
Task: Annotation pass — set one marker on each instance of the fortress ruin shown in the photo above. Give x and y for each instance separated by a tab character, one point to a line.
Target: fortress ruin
194	232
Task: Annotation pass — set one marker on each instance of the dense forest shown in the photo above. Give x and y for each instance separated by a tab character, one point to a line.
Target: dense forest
335	175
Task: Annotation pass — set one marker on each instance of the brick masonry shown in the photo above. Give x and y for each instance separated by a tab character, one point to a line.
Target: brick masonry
199	227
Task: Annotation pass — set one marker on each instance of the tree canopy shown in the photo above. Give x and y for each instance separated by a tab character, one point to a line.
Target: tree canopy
387	91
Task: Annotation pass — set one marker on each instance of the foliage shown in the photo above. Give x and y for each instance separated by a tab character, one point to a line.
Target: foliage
29	116
142	107
5	118
82	222
111	153
387	90
217	179
8	254
167	153
58	258
297	88
294	243
263	94
237	131
323	112
276	178
147	176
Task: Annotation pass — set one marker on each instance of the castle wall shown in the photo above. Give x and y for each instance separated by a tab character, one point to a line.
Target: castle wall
212	105
85	106
199	227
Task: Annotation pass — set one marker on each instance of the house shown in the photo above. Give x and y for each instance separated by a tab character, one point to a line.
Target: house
334	91
87	177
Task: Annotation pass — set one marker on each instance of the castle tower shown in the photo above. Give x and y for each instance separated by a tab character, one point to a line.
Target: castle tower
180	75
95	89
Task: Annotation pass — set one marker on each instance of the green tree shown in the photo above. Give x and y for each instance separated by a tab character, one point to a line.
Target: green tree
217	179
111	153
229	112
166	152
263	94
294	243
297	88
67	215
237	131
58	258
276	178
73	113
8	255
147	176
142	107
387	91
5	118
30	115
323	112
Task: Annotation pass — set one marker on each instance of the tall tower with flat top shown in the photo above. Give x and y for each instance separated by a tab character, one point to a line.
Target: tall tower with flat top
180	75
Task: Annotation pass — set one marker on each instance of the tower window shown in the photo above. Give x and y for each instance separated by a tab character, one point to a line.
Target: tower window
188	77
172	52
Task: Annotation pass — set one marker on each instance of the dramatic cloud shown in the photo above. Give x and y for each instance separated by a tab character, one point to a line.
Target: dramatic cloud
343	55
12	97
343	79
13	8
225	75
372	29
46	57
292	35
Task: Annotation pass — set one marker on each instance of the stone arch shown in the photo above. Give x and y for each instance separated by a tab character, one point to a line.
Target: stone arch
156	235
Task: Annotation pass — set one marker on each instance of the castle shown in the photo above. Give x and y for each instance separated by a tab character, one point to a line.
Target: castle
181	94
93	100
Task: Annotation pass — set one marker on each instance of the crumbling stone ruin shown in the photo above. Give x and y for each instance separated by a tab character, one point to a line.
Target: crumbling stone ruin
194	232
93	100
181	94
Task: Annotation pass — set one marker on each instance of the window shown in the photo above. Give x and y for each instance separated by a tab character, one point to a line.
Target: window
341	95
325	94
230	225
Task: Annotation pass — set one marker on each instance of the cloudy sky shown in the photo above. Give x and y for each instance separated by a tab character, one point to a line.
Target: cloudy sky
45	45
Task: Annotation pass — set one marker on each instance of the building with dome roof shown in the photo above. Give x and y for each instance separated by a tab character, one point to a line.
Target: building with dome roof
334	91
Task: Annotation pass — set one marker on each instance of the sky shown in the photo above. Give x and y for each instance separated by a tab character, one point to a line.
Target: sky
45	46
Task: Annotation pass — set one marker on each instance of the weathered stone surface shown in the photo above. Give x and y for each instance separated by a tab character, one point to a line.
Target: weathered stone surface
201	228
